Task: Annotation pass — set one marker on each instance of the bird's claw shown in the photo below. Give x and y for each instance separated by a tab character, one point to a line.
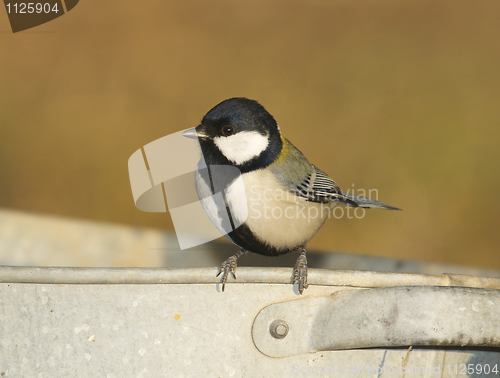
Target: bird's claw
300	272
228	266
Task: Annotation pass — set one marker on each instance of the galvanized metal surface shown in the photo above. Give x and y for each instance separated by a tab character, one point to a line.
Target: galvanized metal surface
183	330
326	277
382	317
58	330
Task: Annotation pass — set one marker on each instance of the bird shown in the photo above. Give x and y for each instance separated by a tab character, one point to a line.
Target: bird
276	200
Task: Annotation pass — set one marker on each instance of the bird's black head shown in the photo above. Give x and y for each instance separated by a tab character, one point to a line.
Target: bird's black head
239	132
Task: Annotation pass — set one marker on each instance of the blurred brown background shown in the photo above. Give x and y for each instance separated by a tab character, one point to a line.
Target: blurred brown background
402	97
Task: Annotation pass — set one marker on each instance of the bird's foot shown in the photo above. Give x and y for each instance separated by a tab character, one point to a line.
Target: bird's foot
229	266
300	271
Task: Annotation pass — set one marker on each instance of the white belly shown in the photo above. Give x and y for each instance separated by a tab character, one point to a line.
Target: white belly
276	216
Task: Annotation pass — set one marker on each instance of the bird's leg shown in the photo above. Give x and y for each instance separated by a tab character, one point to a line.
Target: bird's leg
300	271
229	266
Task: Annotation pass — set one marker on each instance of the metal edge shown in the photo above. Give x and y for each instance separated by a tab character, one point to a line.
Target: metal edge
325	277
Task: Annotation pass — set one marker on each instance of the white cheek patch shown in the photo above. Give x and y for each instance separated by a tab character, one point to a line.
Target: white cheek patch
243	146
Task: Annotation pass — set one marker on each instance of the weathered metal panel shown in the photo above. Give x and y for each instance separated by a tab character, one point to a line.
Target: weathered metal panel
151	329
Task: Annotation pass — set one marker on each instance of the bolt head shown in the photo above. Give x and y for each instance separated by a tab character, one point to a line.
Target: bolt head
279	329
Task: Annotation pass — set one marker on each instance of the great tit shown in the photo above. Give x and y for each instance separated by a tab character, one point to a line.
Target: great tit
284	199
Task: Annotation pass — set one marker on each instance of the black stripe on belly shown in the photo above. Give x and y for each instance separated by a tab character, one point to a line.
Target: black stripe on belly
245	238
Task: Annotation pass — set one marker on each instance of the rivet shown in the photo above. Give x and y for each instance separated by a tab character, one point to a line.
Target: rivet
279	329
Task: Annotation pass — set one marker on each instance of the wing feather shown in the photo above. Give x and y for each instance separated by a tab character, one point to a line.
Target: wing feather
318	187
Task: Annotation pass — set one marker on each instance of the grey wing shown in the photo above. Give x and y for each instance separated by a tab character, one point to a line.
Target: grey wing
319	187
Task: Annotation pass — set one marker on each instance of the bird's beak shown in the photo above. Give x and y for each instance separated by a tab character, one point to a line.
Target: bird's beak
195	133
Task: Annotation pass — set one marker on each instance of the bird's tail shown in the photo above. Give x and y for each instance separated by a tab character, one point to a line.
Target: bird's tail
358	201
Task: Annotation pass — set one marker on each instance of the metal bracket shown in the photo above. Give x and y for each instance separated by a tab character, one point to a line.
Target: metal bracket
380	317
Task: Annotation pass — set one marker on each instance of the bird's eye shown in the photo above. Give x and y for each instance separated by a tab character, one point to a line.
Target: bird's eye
227	130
